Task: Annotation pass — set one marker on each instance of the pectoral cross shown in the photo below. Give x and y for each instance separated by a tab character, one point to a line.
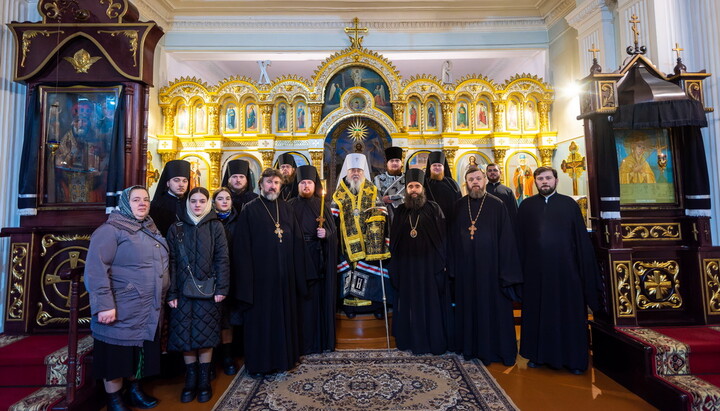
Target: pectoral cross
472	230
279	231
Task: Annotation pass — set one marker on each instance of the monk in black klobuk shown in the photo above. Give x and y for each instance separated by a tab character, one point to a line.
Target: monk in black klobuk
319	305
417	270
170	194
238	178
287	166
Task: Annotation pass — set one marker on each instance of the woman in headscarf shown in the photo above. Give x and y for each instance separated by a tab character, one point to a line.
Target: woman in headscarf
126	276
228	216
199	273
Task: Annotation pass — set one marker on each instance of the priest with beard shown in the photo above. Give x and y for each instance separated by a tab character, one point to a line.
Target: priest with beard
363	243
270	282
238	179
318	307
561	277
170	194
417	270
485	266
439	184
287	166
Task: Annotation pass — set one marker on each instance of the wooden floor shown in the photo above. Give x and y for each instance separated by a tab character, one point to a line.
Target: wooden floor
529	388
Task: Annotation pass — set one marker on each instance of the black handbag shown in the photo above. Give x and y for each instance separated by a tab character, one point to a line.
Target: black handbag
198	289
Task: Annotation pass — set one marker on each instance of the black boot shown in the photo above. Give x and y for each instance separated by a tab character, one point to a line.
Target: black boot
229	367
191	382
115	402
137	398
204	388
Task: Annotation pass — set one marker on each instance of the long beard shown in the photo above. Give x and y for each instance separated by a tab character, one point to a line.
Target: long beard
475	194
415	203
270	196
355	186
289	178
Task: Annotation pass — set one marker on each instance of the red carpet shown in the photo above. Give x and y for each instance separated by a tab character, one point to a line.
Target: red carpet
9	396
23	362
704	346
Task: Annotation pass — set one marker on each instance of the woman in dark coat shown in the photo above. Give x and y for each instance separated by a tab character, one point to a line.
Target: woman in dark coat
198	252
126	276
228	216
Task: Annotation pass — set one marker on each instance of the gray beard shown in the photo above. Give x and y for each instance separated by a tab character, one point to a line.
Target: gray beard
270	196
355	186
415	203
476	194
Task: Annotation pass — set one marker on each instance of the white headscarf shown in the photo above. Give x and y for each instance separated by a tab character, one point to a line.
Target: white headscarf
208	207
354	160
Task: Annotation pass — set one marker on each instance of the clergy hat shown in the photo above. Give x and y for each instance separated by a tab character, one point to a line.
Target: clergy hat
306	173
415	175
238	166
286	158
392	153
436	157
172	169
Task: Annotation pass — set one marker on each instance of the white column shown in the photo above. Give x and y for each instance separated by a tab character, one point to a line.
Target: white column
12	116
593	20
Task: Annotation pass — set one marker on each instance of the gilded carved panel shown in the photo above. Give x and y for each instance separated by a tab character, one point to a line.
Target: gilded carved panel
654	232
711	286
657	284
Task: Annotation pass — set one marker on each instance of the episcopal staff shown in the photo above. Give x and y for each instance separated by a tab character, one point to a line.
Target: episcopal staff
486	271
561	277
320	235
270	278
417	270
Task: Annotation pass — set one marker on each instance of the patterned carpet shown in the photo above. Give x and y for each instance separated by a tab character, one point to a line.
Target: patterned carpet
371	380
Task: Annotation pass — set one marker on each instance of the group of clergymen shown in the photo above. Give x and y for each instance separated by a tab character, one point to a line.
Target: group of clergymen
450	266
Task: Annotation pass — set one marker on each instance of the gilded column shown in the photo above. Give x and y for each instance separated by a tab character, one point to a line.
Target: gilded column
213	119
499	154
498	116
215	158
546	156
169	116
448	107
544	112
315	112
267	158
167	157
450	157
398	115
317	160
266	110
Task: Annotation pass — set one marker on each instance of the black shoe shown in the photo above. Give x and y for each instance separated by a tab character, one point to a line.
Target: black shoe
379	315
532	364
256	375
486	362
115	402
229	367
204	388
576	371
212	372
137	398
191	382
350	315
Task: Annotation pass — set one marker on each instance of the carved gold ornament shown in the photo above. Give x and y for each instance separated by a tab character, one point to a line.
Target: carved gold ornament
49	240
623	284
358	130
112	10
657	284
662	231
81	61
711	283
16	289
43	318
132	36
27	39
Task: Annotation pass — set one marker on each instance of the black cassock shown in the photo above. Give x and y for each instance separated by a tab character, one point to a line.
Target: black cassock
319	305
486	270
269	283
239	200
507	196
445	193
560	279
164	211
417	272
289	191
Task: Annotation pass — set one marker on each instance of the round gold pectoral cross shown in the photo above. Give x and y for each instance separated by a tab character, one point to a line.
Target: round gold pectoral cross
413	233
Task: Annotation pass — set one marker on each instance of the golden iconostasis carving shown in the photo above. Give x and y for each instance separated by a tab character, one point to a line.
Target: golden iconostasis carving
474	116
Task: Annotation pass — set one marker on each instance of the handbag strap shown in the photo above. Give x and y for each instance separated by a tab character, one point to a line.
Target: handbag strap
181	248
